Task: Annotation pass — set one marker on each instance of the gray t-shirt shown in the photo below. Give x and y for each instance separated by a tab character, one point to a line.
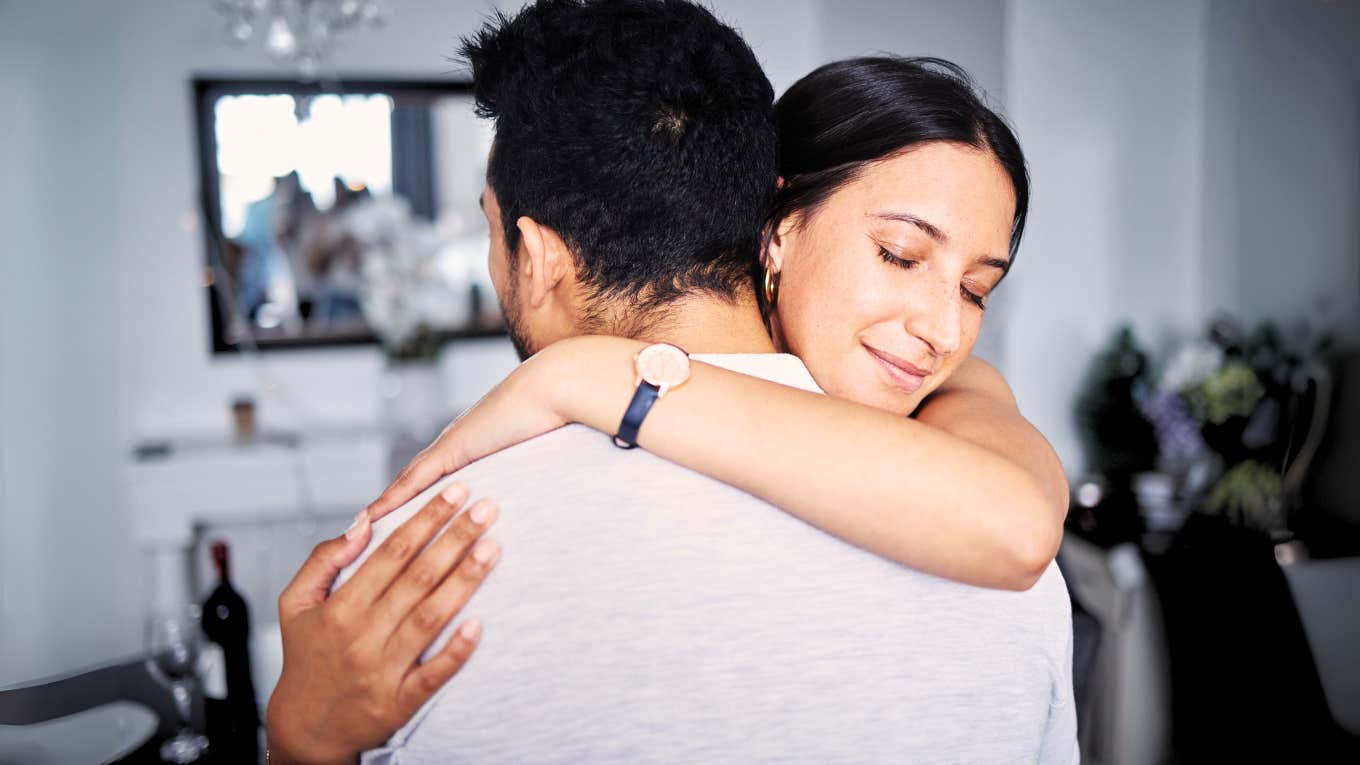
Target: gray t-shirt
644	613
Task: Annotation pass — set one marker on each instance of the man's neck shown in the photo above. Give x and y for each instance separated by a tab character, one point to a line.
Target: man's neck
704	324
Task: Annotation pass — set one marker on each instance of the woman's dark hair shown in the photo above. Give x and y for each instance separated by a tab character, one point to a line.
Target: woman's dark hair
847	114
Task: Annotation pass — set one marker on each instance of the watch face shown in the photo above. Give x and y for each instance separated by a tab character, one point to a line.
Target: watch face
663	364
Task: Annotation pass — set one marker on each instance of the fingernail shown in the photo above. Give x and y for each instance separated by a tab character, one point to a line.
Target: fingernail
470	630
484	551
357	527
481	513
454	493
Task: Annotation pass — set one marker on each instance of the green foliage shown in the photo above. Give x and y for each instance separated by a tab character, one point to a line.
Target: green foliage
1251	495
1224	415
1117	441
1232	391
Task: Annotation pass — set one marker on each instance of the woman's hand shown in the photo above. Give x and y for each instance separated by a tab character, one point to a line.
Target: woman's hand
351	675
522	406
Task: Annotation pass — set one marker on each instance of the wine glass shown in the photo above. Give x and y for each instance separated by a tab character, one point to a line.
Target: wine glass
172	645
171	642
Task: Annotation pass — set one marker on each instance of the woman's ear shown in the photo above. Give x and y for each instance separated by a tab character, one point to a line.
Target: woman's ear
544	261
777	236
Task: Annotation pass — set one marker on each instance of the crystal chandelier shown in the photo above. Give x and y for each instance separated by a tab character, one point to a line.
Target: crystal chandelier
298	33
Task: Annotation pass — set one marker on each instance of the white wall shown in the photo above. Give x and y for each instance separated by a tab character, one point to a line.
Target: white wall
1187	158
1107	100
1282	162
23	282
786	36
59	395
105	331
971	33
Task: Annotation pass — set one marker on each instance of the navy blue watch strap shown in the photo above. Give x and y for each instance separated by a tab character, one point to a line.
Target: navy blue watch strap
643	399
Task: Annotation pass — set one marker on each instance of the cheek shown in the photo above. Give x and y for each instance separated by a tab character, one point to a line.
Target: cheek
814	302
826	304
970	325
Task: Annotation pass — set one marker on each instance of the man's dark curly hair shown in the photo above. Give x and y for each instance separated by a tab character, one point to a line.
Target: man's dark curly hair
642	131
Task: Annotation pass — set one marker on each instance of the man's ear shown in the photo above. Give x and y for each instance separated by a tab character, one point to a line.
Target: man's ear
546	260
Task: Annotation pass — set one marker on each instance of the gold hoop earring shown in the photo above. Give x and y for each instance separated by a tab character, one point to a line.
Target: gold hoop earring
771	287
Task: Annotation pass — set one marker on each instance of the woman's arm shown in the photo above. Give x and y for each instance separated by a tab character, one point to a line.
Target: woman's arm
976	405
969	490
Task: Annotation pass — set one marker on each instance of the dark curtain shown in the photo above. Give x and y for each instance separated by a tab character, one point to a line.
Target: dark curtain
413	158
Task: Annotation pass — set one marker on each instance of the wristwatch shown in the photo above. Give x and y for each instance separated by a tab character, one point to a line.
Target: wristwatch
660	367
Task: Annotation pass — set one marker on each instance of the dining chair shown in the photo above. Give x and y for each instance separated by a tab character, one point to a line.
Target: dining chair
1127	720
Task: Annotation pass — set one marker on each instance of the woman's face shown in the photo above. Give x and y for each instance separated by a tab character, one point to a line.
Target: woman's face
882	287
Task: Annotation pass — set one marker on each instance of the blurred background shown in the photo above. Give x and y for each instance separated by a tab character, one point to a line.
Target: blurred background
242	274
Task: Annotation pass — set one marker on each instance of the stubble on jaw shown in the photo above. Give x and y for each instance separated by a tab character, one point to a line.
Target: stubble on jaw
513	325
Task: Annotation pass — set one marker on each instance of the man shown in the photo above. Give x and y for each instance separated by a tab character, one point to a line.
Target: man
648	613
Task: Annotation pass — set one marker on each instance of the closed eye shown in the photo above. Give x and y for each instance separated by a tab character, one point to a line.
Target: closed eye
979	300
893	260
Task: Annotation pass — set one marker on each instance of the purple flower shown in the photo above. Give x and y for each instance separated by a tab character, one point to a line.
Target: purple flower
1178	436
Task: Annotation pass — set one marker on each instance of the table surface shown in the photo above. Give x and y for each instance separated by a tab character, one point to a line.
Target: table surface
100	734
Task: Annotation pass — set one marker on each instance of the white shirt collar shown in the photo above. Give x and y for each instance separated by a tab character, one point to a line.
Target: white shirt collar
783	368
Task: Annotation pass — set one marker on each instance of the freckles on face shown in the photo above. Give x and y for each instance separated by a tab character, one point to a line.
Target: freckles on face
883	286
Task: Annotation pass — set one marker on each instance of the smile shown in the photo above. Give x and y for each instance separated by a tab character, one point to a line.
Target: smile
901	373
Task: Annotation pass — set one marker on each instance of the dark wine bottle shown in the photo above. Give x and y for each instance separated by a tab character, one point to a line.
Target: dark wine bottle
233	724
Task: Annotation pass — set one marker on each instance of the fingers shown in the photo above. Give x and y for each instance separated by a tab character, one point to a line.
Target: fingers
427	467
430	615
427	617
427	620
421	683
313	581
430	568
392	556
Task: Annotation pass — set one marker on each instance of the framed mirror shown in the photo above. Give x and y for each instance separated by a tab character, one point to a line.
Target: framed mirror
343	212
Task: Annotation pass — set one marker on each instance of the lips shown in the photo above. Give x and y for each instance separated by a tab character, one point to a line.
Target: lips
900	372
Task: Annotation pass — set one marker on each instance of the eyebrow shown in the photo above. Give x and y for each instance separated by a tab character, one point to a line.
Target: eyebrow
930	229
481	201
934	232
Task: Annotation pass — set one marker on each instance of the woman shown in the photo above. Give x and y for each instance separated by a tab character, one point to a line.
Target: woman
901	206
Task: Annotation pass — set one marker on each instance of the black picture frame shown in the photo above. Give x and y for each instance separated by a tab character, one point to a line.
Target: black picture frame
206	89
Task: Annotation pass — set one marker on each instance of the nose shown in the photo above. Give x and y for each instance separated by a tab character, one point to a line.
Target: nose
938	319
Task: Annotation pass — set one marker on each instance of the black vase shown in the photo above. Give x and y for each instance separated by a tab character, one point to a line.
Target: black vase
1244	687
1225	439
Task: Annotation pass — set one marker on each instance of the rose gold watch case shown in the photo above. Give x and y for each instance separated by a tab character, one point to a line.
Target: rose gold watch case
663	365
